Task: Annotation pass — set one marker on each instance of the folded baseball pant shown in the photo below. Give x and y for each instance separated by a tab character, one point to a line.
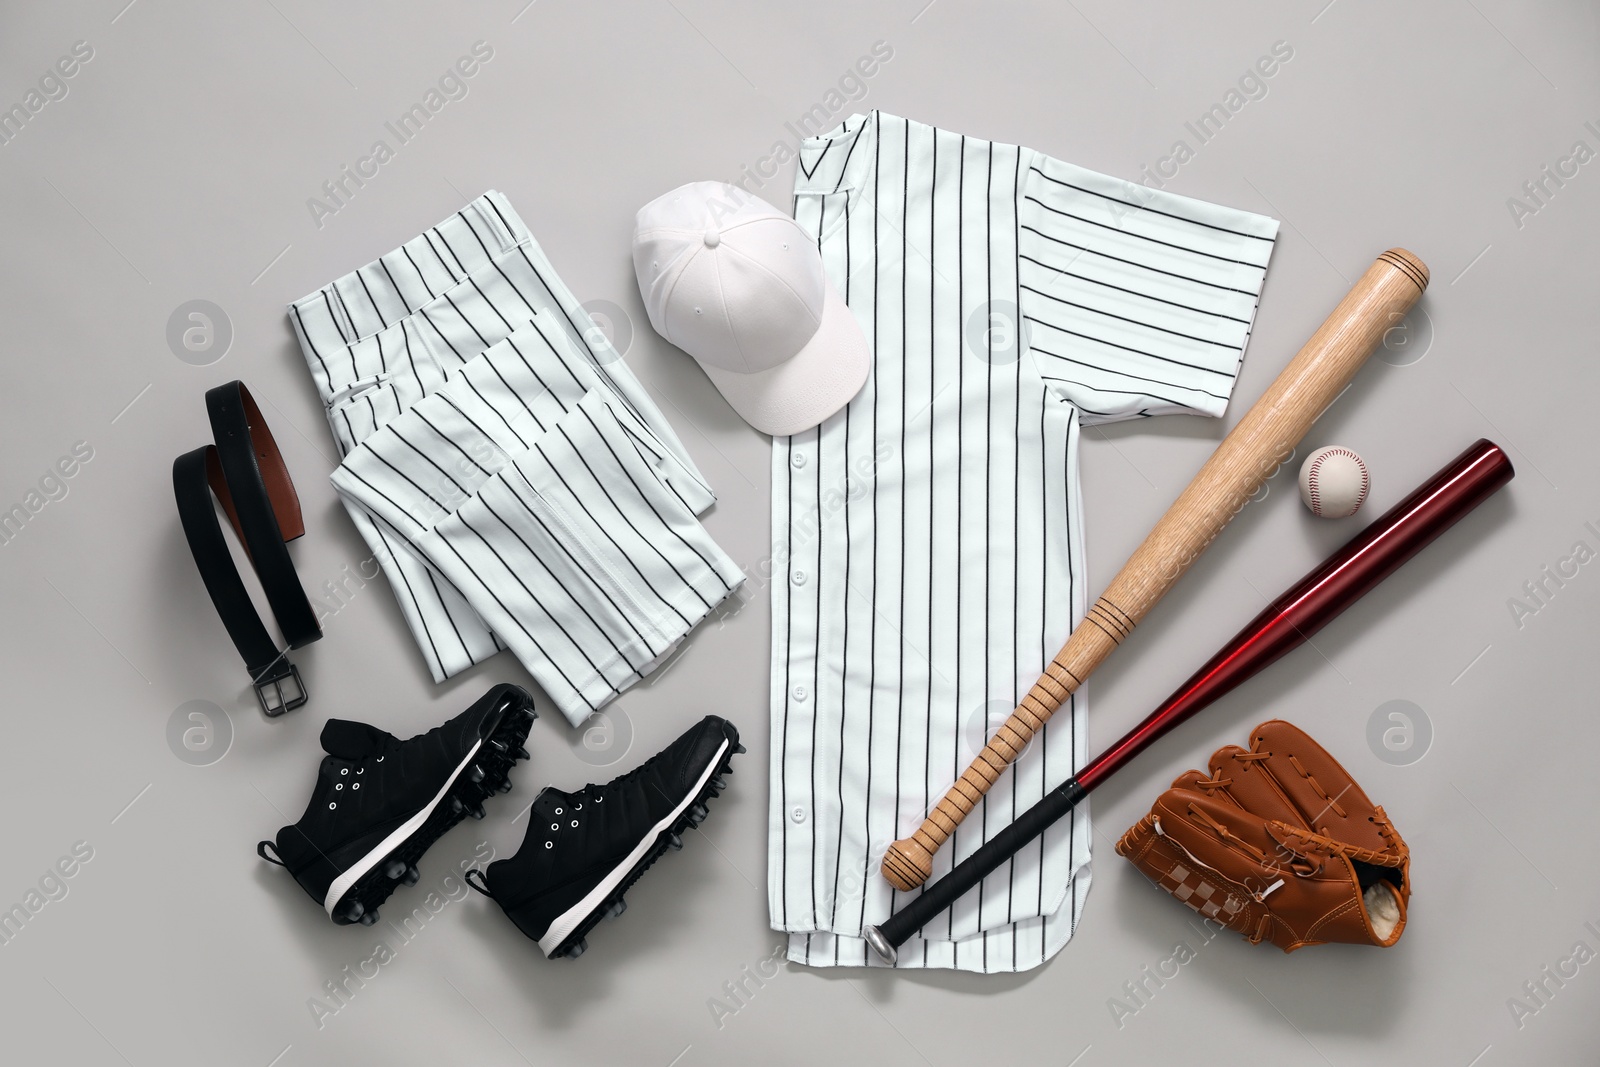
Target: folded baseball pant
512	477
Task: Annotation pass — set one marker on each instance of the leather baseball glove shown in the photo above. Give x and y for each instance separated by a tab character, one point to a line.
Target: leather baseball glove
1278	843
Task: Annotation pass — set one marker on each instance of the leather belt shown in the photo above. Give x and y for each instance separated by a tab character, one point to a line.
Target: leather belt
245	470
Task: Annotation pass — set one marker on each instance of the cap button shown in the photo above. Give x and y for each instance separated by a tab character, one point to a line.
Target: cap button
713	238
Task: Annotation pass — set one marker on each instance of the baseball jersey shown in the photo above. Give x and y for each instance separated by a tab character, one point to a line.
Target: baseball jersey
927	540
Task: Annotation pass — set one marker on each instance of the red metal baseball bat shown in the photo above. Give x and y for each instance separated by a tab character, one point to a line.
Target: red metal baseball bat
1288	622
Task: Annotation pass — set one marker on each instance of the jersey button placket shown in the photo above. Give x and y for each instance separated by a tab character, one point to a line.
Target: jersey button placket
798	707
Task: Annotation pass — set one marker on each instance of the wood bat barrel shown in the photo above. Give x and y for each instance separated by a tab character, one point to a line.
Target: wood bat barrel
1250	454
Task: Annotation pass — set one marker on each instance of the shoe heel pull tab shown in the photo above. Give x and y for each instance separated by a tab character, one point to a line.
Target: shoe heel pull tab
261	850
484	888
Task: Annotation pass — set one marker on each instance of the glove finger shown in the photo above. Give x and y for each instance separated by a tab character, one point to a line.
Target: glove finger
1317	788
1194	781
1251	786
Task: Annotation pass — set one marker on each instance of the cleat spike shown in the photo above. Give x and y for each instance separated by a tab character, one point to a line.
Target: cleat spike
350	911
476	774
719	783
476	811
617	907
697	814
577	950
456	806
395	869
521	753
674	842
499	745
738	748
368	918
412	876
504	786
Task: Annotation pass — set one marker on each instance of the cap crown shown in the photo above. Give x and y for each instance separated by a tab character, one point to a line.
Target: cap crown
727	277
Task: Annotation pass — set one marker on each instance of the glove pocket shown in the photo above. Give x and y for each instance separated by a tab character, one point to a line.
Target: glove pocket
1362	895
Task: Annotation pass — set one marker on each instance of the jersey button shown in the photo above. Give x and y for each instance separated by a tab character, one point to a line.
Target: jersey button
798	459
798	814
798	577
800	694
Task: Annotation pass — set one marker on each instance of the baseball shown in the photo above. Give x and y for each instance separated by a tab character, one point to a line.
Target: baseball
1334	482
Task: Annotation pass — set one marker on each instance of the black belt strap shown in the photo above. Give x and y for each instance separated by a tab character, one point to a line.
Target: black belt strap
245	470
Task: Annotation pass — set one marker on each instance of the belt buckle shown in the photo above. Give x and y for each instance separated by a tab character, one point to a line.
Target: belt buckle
272	679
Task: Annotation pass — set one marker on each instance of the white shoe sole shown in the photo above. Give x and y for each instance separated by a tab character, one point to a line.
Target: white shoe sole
570	919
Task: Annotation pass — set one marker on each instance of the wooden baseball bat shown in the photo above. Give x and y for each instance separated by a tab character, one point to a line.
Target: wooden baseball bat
1252	451
1286	624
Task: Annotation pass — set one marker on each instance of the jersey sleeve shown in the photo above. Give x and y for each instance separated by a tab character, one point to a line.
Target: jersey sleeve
1134	302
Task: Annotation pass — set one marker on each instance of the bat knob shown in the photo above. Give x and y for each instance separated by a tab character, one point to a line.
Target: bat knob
1408	262
880	945
907	865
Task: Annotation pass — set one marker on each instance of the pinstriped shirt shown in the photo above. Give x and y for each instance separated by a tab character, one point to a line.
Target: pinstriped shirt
929	536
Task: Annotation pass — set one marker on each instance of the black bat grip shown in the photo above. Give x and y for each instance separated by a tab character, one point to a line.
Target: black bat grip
938	896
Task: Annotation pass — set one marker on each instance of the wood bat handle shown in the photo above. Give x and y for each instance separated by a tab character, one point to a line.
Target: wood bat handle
1250	454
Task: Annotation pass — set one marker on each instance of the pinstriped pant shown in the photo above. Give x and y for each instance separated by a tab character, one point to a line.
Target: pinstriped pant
470	318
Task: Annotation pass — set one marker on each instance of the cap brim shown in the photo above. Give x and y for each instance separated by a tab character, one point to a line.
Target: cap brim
816	382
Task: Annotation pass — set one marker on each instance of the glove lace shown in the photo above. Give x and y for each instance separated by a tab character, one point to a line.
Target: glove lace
1308	842
1387	831
1223	832
1333	801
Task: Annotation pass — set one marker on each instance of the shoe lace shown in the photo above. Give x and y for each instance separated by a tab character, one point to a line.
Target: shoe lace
599	791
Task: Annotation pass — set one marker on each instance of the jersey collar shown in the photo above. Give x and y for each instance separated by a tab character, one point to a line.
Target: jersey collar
839	160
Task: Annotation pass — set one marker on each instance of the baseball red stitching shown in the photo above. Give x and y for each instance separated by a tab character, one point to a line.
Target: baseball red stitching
1316	465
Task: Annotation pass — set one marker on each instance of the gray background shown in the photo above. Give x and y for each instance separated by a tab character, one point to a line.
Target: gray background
178	167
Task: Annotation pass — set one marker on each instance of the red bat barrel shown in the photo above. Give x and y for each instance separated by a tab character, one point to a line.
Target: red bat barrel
1318	598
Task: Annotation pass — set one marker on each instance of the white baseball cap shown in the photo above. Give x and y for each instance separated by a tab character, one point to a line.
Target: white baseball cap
739	286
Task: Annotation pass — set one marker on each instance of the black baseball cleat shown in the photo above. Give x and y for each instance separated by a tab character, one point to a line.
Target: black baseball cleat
584	850
379	802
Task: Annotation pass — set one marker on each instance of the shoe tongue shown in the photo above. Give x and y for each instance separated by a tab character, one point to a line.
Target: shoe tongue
353	740
549	799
